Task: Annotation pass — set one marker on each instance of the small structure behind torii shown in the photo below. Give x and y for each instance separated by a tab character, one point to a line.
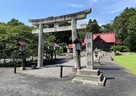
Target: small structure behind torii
55	20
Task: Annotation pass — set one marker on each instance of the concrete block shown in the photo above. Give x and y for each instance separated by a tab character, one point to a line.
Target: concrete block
88	76
22	68
98	83
88	72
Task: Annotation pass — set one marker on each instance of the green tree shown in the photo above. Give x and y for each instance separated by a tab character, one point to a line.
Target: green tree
13	32
130	40
121	22
108	27
89	25
14	22
63	37
93	26
82	33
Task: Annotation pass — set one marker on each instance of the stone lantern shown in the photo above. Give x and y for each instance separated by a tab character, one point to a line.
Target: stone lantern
78	44
21	47
78	48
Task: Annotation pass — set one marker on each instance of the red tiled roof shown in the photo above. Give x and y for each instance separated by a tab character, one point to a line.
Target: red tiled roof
55	45
118	42
22	43
77	40
70	45
107	37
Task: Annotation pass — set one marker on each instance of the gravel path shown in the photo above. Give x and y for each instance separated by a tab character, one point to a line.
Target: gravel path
46	81
53	71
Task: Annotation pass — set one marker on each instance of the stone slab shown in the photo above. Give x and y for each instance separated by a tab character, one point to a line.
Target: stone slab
100	83
22	68
88	76
88	72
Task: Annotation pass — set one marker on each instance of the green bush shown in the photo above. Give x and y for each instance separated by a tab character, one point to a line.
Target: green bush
123	49
115	48
18	64
120	48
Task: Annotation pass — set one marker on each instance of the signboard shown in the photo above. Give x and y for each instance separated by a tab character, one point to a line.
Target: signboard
89	50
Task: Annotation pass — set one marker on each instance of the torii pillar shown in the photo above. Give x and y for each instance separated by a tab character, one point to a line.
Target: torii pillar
74	36
51	20
40	46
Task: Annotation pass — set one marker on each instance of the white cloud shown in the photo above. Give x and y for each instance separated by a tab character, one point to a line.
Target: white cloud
91	2
94	1
100	24
117	10
74	5
121	5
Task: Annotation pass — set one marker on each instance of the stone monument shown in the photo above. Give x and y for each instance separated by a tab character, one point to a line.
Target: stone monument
89	75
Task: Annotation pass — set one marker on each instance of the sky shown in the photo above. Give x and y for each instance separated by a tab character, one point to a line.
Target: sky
104	11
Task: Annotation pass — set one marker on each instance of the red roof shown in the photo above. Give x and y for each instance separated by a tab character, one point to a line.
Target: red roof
77	40
55	45
22	43
118	42
107	37
70	45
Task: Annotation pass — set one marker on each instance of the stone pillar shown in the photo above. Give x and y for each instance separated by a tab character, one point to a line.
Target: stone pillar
89	51
74	36
40	46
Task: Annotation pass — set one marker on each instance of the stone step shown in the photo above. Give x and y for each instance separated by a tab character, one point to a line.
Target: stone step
88	72
90	77
99	83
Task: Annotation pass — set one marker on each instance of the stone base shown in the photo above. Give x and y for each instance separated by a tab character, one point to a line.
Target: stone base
97	63
33	66
22	68
88	76
74	69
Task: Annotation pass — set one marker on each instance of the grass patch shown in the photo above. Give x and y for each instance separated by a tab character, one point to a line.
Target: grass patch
127	61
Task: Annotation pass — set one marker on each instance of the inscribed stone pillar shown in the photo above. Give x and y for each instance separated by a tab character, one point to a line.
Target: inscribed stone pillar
40	46
74	36
89	50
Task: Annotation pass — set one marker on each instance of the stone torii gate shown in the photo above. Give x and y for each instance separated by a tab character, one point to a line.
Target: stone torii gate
55	20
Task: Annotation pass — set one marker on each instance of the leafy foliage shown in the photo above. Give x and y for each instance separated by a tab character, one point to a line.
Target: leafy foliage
13	32
107	28
93	26
130	40
125	27
14	22
121	23
119	48
63	37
